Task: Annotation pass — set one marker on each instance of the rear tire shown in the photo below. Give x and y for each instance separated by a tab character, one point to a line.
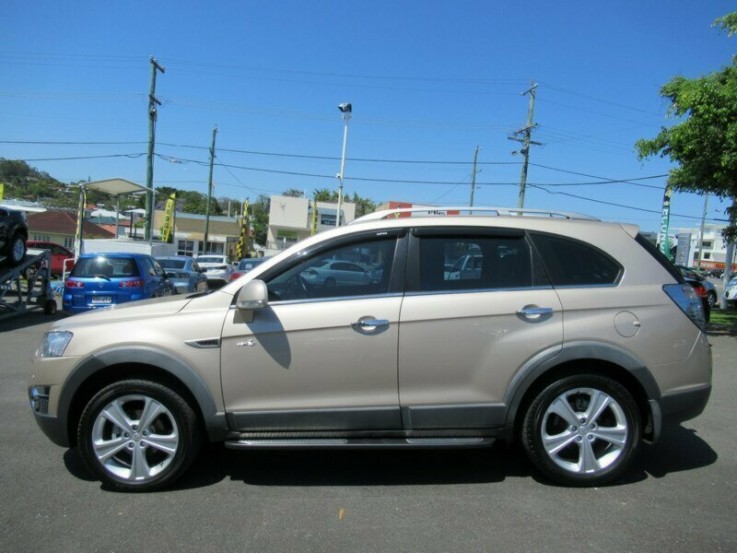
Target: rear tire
582	430
137	435
17	249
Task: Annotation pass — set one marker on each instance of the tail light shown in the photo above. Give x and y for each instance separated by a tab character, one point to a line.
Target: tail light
700	290
688	300
74	284
236	275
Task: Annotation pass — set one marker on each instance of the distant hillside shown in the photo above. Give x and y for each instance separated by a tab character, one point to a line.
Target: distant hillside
23	182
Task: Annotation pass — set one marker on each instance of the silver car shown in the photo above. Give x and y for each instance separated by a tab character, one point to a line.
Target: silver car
184	272
217	269
575	337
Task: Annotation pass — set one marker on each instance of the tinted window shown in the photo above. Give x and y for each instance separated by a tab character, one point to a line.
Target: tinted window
573	263
478	262
172	263
110	267
358	269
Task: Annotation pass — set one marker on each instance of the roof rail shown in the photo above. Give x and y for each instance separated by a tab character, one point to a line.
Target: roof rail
465	210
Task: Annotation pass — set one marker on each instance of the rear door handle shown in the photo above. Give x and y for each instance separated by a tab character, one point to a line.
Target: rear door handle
535	313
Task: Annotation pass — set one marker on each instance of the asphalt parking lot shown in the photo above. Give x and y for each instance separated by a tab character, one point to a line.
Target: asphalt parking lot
681	495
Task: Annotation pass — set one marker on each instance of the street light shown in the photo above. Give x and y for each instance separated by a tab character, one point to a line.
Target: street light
345	109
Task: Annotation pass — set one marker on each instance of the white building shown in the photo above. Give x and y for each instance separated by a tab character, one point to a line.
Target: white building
290	220
714	247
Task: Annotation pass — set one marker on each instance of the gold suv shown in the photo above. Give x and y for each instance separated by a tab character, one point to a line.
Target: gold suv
571	335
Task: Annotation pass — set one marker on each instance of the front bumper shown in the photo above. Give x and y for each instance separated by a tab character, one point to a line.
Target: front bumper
54	427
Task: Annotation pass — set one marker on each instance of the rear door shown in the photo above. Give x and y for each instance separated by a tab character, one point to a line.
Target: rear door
463	340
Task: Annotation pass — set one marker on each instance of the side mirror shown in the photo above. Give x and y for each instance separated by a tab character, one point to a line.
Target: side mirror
254	295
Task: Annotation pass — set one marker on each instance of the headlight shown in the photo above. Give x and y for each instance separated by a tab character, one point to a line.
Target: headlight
54	343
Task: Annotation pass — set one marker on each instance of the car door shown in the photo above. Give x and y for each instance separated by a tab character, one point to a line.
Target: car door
463	340
318	357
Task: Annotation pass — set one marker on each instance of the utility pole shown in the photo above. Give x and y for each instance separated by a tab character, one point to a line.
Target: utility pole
209	188
346	110
701	231
524	136
473	175
152	116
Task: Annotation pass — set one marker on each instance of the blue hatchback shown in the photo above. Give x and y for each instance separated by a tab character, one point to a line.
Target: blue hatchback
104	279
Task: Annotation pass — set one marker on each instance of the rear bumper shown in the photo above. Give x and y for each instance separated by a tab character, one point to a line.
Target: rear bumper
684	405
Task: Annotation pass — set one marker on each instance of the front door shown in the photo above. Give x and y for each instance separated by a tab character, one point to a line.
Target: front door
321	356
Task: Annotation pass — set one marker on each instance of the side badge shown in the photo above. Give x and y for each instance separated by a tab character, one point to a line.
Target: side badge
247	343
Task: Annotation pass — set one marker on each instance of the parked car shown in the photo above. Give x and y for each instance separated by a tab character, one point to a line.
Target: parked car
465	267
245	265
703	293
336	273
105	279
217	269
578	338
13	236
58	255
184	273
730	292
693	275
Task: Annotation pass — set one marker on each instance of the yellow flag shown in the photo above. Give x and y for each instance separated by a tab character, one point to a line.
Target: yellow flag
243	243
2	190
167	227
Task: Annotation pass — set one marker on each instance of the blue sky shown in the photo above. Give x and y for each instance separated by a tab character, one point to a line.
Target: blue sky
429	81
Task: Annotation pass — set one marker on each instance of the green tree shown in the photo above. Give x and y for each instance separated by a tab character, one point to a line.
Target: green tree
260	218
293	193
363	205
704	143
325	195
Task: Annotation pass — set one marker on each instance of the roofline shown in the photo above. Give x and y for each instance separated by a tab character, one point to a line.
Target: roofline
466	210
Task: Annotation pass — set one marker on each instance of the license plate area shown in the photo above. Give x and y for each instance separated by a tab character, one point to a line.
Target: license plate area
101	300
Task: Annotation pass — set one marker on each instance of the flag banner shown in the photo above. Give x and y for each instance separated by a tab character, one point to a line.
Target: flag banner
79	239
313	225
167	228
243	243
663	240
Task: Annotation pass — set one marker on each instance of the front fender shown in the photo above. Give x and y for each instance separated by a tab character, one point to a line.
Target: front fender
214	420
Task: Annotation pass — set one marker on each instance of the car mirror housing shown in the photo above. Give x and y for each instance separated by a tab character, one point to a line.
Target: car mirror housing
254	295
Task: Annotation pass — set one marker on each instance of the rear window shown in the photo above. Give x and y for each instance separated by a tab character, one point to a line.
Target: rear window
468	262
106	267
211	259
176	264
573	263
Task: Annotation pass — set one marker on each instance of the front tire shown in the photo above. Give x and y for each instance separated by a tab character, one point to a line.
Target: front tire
137	435
582	430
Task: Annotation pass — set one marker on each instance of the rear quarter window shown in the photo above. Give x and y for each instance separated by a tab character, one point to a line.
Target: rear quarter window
571	262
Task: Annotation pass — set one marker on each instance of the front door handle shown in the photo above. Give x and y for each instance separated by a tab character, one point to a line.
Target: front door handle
370	323
535	313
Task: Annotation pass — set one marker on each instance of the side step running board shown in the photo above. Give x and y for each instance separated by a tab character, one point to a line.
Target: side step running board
257	443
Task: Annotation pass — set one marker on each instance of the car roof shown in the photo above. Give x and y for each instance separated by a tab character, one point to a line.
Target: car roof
113	254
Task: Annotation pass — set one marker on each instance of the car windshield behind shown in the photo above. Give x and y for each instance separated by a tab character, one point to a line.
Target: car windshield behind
176	264
210	259
105	267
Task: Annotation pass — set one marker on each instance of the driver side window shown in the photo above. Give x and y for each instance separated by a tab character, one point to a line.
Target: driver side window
357	269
